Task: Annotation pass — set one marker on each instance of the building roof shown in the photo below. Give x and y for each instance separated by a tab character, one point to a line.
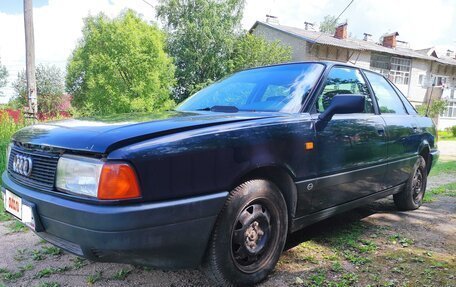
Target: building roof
353	44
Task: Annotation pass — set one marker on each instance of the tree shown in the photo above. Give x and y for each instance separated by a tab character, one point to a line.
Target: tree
201	39
253	51
3	76
328	25
50	88
120	66
436	107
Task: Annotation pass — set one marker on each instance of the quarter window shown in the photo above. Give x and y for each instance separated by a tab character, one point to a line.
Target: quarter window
344	80
387	99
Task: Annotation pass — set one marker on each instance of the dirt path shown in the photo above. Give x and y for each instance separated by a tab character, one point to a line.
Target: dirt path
374	245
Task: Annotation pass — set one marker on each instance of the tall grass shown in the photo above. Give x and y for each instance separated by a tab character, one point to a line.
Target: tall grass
7	128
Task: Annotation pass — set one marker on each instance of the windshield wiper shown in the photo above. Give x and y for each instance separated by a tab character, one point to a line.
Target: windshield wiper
222	109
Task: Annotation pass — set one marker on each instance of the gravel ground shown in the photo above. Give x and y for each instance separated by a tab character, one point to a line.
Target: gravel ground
420	245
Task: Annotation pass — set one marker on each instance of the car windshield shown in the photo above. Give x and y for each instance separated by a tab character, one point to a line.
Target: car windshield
272	89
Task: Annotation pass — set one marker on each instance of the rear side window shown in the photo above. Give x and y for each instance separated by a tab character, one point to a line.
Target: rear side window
410	109
344	80
387	99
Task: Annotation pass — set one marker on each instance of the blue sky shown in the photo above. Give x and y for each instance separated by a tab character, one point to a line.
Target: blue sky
58	23
15	6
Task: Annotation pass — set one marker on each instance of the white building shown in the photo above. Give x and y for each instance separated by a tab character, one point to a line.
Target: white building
421	75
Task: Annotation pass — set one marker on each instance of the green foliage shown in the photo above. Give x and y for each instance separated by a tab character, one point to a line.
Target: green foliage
47	272
445	190
201	39
16	226
49	284
446	135
7	128
207	42
453	131
49	85
253	51
121	274
435	108
328	25
93	278
443	167
3	76
120	66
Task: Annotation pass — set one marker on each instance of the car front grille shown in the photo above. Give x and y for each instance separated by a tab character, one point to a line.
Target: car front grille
43	171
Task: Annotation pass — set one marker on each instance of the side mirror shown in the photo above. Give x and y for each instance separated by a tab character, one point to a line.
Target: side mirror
341	104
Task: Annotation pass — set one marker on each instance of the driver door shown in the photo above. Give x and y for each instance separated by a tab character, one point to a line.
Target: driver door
352	148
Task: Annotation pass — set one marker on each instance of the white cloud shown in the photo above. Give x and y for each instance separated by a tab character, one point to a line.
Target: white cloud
58	24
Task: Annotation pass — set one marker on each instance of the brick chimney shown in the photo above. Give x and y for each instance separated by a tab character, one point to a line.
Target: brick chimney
341	31
389	40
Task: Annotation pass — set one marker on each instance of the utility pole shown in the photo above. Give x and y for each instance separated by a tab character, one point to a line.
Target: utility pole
30	59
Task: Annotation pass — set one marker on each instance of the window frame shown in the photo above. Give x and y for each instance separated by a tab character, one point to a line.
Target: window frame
394	90
310	106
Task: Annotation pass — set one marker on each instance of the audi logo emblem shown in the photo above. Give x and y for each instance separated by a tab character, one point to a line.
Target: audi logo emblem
22	165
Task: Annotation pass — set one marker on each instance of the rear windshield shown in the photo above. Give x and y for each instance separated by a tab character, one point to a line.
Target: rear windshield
273	89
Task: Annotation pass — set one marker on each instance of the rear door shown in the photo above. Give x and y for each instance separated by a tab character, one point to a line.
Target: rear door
401	130
351	148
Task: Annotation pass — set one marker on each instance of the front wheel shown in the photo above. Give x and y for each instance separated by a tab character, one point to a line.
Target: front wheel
249	235
412	196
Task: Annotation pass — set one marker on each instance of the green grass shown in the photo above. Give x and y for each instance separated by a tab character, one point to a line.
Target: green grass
7	128
446	190
16	226
9	275
92	279
121	274
49	284
46	272
443	167
446	136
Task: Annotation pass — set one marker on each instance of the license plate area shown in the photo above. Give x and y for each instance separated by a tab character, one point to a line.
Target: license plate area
19	208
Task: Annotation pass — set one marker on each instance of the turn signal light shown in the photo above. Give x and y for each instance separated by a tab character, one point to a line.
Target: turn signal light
118	181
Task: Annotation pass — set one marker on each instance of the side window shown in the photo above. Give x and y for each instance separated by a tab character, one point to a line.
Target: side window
387	99
343	80
410	109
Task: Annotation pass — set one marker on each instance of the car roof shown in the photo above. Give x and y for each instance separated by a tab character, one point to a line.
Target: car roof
326	63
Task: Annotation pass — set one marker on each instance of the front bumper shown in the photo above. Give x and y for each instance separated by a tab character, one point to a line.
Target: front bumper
171	234
434	158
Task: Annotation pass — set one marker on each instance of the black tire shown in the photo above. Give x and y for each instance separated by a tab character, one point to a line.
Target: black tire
411	197
249	235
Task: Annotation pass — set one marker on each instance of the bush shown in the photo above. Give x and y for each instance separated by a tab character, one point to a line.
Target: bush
453	130
7	128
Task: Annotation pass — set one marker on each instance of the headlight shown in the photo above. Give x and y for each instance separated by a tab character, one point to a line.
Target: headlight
95	178
79	175
8	153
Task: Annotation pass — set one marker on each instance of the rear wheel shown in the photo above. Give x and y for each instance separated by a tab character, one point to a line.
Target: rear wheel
412	196
249	235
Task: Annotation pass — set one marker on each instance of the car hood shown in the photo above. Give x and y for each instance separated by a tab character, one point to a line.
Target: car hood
102	134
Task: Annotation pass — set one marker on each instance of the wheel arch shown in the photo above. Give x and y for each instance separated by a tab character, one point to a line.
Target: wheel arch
280	176
424	150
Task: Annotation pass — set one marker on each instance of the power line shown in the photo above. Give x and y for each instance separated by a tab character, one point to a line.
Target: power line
148	4
333	22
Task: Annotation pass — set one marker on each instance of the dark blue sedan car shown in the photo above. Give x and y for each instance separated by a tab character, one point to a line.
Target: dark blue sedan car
222	180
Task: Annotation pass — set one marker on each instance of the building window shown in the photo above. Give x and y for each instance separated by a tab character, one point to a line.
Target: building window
450	111
395	68
400	70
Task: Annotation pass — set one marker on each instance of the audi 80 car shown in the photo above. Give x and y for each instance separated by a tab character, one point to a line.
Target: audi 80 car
222	180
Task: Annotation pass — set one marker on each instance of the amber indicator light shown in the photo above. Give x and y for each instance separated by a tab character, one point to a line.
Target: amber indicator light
118	181
309	145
